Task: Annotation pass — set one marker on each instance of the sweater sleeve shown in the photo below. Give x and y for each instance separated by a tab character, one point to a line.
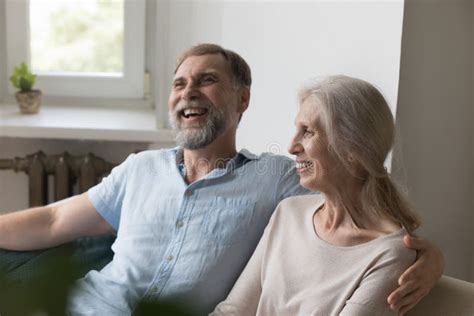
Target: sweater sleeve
244	297
370	297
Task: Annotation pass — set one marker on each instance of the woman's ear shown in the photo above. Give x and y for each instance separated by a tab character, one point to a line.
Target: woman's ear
352	165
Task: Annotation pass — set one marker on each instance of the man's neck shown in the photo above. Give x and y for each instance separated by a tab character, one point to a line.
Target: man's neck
199	162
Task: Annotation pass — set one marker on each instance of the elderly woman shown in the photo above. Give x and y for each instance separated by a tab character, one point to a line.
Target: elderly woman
339	252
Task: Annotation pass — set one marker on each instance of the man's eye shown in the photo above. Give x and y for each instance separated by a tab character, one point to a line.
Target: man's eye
178	85
208	79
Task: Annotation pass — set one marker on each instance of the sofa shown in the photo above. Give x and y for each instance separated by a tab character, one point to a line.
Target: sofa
450	297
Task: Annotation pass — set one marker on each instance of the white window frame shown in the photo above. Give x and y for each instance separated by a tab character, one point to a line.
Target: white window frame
129	85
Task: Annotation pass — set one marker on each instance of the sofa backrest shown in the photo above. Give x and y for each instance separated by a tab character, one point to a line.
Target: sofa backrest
450	297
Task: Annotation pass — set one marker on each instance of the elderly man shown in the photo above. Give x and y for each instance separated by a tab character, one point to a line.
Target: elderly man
187	219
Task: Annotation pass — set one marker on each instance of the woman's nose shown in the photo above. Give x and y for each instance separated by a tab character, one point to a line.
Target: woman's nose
295	147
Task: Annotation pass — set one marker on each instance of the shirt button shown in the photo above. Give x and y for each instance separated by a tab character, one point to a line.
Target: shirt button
179	224
169	258
188	193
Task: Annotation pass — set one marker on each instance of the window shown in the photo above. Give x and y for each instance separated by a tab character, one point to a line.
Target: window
87	48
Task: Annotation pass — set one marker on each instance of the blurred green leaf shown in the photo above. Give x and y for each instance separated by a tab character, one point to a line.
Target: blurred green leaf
47	292
45	288
22	78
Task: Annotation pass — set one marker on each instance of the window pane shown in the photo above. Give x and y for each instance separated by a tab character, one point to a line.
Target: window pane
77	36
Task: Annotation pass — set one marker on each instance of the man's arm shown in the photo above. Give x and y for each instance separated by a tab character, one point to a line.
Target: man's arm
418	280
51	225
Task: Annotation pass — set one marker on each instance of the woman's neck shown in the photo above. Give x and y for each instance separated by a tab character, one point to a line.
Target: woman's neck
343	221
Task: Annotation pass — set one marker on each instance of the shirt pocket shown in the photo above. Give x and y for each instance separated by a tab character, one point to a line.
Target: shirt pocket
227	221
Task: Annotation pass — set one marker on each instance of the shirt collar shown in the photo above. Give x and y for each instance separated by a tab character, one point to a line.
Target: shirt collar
242	157
179	154
247	154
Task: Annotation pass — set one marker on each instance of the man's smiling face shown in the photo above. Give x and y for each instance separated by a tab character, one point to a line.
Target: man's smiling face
203	102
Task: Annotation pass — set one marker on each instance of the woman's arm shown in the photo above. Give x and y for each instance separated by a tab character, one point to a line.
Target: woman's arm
369	298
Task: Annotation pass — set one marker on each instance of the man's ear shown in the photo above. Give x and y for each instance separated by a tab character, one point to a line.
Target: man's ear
244	99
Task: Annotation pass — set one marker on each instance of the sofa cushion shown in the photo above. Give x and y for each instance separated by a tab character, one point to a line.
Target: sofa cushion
450	297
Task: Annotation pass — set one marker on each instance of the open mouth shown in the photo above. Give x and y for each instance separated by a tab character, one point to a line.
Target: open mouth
303	165
193	112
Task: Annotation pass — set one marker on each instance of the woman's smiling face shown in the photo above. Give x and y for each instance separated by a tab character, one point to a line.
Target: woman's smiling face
318	168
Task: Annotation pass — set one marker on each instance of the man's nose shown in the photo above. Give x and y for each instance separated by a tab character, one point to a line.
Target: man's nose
191	92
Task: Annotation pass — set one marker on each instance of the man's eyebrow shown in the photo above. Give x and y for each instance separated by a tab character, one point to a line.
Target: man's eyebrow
208	72
199	75
179	79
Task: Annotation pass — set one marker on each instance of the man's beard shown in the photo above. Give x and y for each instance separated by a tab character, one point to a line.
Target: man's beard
201	134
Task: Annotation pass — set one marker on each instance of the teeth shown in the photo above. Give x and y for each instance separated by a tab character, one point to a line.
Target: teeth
304	164
194	111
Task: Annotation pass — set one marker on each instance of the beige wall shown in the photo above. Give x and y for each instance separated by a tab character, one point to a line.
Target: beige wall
471	10
2	48
435	119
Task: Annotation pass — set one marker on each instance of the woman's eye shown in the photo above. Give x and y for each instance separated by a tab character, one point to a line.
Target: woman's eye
307	133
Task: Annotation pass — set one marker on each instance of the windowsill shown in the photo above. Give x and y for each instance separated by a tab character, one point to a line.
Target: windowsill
132	124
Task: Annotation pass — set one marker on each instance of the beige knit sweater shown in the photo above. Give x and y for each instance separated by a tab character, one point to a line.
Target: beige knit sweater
293	272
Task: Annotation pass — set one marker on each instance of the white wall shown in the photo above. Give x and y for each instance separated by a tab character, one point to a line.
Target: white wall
435	117
287	43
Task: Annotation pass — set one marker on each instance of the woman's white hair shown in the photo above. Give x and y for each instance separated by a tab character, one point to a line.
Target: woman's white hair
360	130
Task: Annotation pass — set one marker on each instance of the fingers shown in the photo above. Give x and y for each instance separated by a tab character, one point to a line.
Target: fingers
410	302
407	302
404	309
399	297
415	243
410	275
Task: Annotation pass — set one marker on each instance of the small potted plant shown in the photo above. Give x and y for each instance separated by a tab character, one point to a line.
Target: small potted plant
28	99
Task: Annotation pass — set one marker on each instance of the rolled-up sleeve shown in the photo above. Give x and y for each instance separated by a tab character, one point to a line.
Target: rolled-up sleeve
107	196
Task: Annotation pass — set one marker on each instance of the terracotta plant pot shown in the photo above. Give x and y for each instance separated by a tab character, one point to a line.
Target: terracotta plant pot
29	102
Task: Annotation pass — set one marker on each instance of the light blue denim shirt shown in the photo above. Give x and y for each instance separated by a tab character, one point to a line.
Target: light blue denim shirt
174	239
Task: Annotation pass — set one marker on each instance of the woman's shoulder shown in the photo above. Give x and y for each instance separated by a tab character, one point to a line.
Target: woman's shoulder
392	249
292	208
301	201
